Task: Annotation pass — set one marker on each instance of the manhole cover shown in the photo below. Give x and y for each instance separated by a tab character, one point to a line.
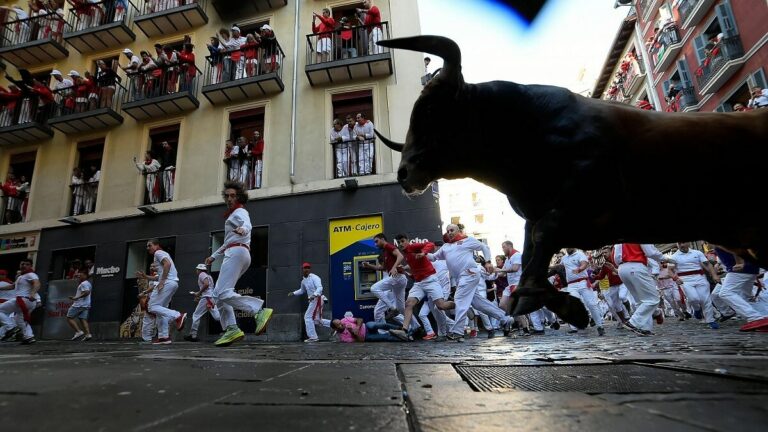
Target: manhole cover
616	378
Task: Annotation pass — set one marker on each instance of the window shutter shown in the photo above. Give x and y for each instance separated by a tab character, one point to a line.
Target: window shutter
685	74
721	108
758	79
666	87
725	18
699	43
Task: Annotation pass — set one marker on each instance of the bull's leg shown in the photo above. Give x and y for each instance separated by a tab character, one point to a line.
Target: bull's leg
534	290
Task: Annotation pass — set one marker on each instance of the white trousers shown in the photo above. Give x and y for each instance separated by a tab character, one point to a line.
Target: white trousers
642	286
158	305
148	326
11	316
313	316
236	262
466	296
396	285
203	307
615	297
537	319
672	297
375	36
736	289
696	289
588	296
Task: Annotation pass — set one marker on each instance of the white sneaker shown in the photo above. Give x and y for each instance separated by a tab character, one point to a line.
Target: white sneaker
311	340
77	335
87	337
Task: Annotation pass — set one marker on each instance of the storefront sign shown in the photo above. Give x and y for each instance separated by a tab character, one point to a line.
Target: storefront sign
351	244
18	242
107	272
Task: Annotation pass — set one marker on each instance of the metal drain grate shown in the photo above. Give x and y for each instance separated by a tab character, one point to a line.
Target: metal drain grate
616	378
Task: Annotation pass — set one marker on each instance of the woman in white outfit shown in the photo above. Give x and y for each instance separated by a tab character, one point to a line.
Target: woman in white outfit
236	251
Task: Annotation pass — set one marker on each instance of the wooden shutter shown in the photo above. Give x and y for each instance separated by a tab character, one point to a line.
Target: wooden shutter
725	18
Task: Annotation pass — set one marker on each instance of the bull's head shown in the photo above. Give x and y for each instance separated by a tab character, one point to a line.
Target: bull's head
436	116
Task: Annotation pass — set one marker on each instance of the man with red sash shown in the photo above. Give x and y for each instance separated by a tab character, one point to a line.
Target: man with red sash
576	264
312	286
632	259
691	265
26	285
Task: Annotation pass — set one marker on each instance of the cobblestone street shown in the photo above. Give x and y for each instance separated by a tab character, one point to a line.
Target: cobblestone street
687	377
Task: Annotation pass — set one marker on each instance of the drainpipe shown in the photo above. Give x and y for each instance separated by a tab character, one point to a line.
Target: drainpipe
293	87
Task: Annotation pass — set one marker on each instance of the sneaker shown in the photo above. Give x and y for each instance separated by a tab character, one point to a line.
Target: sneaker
755	325
11	334
400	334
601	331
455	337
232	335
391	314
441	339
591	322
698	314
725	318
687	315
682	318
555	326
473	334
713	325
491	334
180	321
524	332
87	337
190	338
659	317
638	331
28	341
262	319
430	336
538	332
311	340
162	341
573	331
77	336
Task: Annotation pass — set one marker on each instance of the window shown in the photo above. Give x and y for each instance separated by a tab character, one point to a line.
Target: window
16	188
250	28
66	262
86	175
455	220
244	161
479	218
160	179
721	27
138	259
355	157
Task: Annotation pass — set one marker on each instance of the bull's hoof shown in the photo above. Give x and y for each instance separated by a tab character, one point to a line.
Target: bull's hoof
569	308
523	305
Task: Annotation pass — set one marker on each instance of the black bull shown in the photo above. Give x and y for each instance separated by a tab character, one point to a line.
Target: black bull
584	172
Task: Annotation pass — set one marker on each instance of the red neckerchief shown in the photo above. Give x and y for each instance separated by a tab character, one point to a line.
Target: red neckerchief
512	252
457	238
147	162
229	212
28	271
5	279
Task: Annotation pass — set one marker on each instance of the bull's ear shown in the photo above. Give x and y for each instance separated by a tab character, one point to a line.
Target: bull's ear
391	144
440	46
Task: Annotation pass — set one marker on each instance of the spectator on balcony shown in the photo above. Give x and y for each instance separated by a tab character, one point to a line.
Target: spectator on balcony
341	147
257	154
149	74
187	68
644	105
106	82
149	168
171	76
83	13
224	40
230	159
80	91
91	187
373	26
121	7
245	160
236	60
93	90
269	45
348	49
251	52
64	98
215	58
349	128
132	72
739	107
168	166
45	100
14	199
21	27
759	98
364	135
78	191
324	32
10	104
427	75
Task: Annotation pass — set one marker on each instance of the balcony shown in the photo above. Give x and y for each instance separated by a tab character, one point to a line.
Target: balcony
258	73
632	78
720	64
693	11
354	158
245	169
13	208
159	186
350	55
100	26
24	122
101	110
83	198
243	8
33	41
165	17
162	92
685	98
666	47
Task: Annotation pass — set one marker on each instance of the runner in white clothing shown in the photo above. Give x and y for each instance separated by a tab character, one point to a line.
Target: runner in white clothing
204	299
691	265
167	284
26	286
576	264
312	286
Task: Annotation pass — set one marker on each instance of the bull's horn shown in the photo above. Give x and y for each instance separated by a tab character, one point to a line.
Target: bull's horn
437	45
391	144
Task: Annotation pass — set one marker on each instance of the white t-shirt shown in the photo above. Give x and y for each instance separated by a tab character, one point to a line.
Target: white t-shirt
161	255
311	285
6	294
24	284
690	261
572	262
513	278
86	300
201	278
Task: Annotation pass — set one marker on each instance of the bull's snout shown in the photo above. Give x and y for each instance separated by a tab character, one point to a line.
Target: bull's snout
402	174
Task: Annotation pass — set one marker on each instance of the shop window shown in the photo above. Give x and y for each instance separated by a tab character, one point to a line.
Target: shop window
163	147
86	175
16	188
65	263
356	157
244	160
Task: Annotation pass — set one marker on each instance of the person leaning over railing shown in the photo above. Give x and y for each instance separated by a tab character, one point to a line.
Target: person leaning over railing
323	31
106	81
78	191
45	100
250	51
149	168
188	70
148	75
339	137
9	103
271	51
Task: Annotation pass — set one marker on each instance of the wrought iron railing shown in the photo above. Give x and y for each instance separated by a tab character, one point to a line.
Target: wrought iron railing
50	26
82	98
23	109
245	169
247	62
634	69
729	48
684	9
83	198
683	99
668	36
147	7
159	185
14	205
354	158
160	81
345	43
89	15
